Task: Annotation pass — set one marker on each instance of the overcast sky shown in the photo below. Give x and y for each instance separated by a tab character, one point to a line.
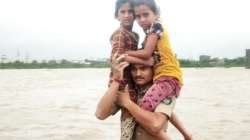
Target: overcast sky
78	29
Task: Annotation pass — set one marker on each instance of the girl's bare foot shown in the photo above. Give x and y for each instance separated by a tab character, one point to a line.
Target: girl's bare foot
188	137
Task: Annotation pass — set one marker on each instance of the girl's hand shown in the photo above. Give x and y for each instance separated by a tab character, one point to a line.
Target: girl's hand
123	98
118	66
151	61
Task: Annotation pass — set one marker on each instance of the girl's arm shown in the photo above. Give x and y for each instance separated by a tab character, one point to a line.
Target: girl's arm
118	46
137	60
149	47
155	33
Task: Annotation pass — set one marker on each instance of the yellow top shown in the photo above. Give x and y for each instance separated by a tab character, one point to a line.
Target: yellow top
168	65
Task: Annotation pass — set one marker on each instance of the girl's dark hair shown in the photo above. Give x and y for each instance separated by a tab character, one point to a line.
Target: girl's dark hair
150	3
119	4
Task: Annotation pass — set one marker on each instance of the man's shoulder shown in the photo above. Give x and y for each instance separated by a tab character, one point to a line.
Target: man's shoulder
166	106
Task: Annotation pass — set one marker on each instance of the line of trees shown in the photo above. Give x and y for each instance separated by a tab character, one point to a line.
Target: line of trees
236	62
53	64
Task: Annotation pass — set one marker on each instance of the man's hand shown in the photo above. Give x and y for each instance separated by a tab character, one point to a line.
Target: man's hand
123	98
118	66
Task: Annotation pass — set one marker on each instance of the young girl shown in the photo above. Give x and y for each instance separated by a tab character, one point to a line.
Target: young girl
123	41
167	73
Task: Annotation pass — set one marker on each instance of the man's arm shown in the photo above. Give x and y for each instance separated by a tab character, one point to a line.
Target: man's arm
106	105
153	122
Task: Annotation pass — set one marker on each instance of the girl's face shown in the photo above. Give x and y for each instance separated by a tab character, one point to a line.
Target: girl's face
145	16
126	15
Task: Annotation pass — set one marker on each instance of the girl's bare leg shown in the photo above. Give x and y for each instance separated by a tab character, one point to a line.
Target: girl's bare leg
179	125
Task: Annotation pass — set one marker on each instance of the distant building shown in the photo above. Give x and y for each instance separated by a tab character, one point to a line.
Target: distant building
79	61
248	58
204	58
97	62
217	62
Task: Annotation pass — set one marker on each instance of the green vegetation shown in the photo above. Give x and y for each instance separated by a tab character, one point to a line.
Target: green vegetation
53	64
215	62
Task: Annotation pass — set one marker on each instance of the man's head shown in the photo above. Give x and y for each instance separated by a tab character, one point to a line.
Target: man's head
142	74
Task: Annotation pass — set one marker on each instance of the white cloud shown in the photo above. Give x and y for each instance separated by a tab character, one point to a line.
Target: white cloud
72	29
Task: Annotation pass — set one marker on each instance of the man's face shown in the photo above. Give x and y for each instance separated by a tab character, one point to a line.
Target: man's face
142	74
